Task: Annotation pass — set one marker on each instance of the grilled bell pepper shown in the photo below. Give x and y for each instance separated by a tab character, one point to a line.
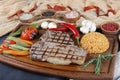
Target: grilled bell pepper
19	41
9	41
18	47
16	53
1	50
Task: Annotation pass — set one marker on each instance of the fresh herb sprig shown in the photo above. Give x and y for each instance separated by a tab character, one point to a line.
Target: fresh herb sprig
98	61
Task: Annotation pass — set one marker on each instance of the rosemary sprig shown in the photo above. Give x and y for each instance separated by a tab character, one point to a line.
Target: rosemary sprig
98	61
98	65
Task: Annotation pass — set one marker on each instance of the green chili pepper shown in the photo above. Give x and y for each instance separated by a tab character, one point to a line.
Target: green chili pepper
36	26
18	47
17	33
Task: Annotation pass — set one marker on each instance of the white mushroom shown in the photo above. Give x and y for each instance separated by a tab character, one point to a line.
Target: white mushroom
52	25
87	26
44	25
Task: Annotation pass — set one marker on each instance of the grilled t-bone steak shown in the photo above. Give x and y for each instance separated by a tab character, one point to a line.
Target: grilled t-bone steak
57	37
50	50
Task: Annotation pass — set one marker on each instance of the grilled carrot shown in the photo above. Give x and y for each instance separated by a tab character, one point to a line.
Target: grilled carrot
26	41
1	50
16	53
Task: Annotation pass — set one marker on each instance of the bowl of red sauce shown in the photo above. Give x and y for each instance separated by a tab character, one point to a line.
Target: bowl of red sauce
109	27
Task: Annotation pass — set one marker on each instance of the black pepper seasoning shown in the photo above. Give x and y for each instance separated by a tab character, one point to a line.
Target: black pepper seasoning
48	13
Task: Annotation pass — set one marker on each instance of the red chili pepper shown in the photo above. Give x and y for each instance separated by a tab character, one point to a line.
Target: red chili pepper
34	8
98	10
49	7
5	47
1	50
92	7
63	29
10	41
73	28
56	7
110	10
16	14
89	7
69	8
59	8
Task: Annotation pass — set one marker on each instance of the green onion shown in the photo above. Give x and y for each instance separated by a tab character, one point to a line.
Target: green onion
36	26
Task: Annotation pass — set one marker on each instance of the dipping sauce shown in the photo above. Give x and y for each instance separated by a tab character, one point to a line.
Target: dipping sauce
110	26
48	13
72	14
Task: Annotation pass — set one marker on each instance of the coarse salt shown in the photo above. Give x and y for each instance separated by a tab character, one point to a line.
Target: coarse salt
26	16
72	14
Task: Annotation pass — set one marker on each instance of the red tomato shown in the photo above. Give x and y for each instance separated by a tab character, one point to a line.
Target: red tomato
24	36
59	8
27	33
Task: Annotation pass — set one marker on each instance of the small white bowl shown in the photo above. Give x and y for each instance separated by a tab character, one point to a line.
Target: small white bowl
26	18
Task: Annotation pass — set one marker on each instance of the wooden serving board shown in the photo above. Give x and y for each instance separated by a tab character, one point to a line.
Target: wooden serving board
69	71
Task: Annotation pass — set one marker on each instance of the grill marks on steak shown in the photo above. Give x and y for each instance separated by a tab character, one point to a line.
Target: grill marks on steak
57	37
50	50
